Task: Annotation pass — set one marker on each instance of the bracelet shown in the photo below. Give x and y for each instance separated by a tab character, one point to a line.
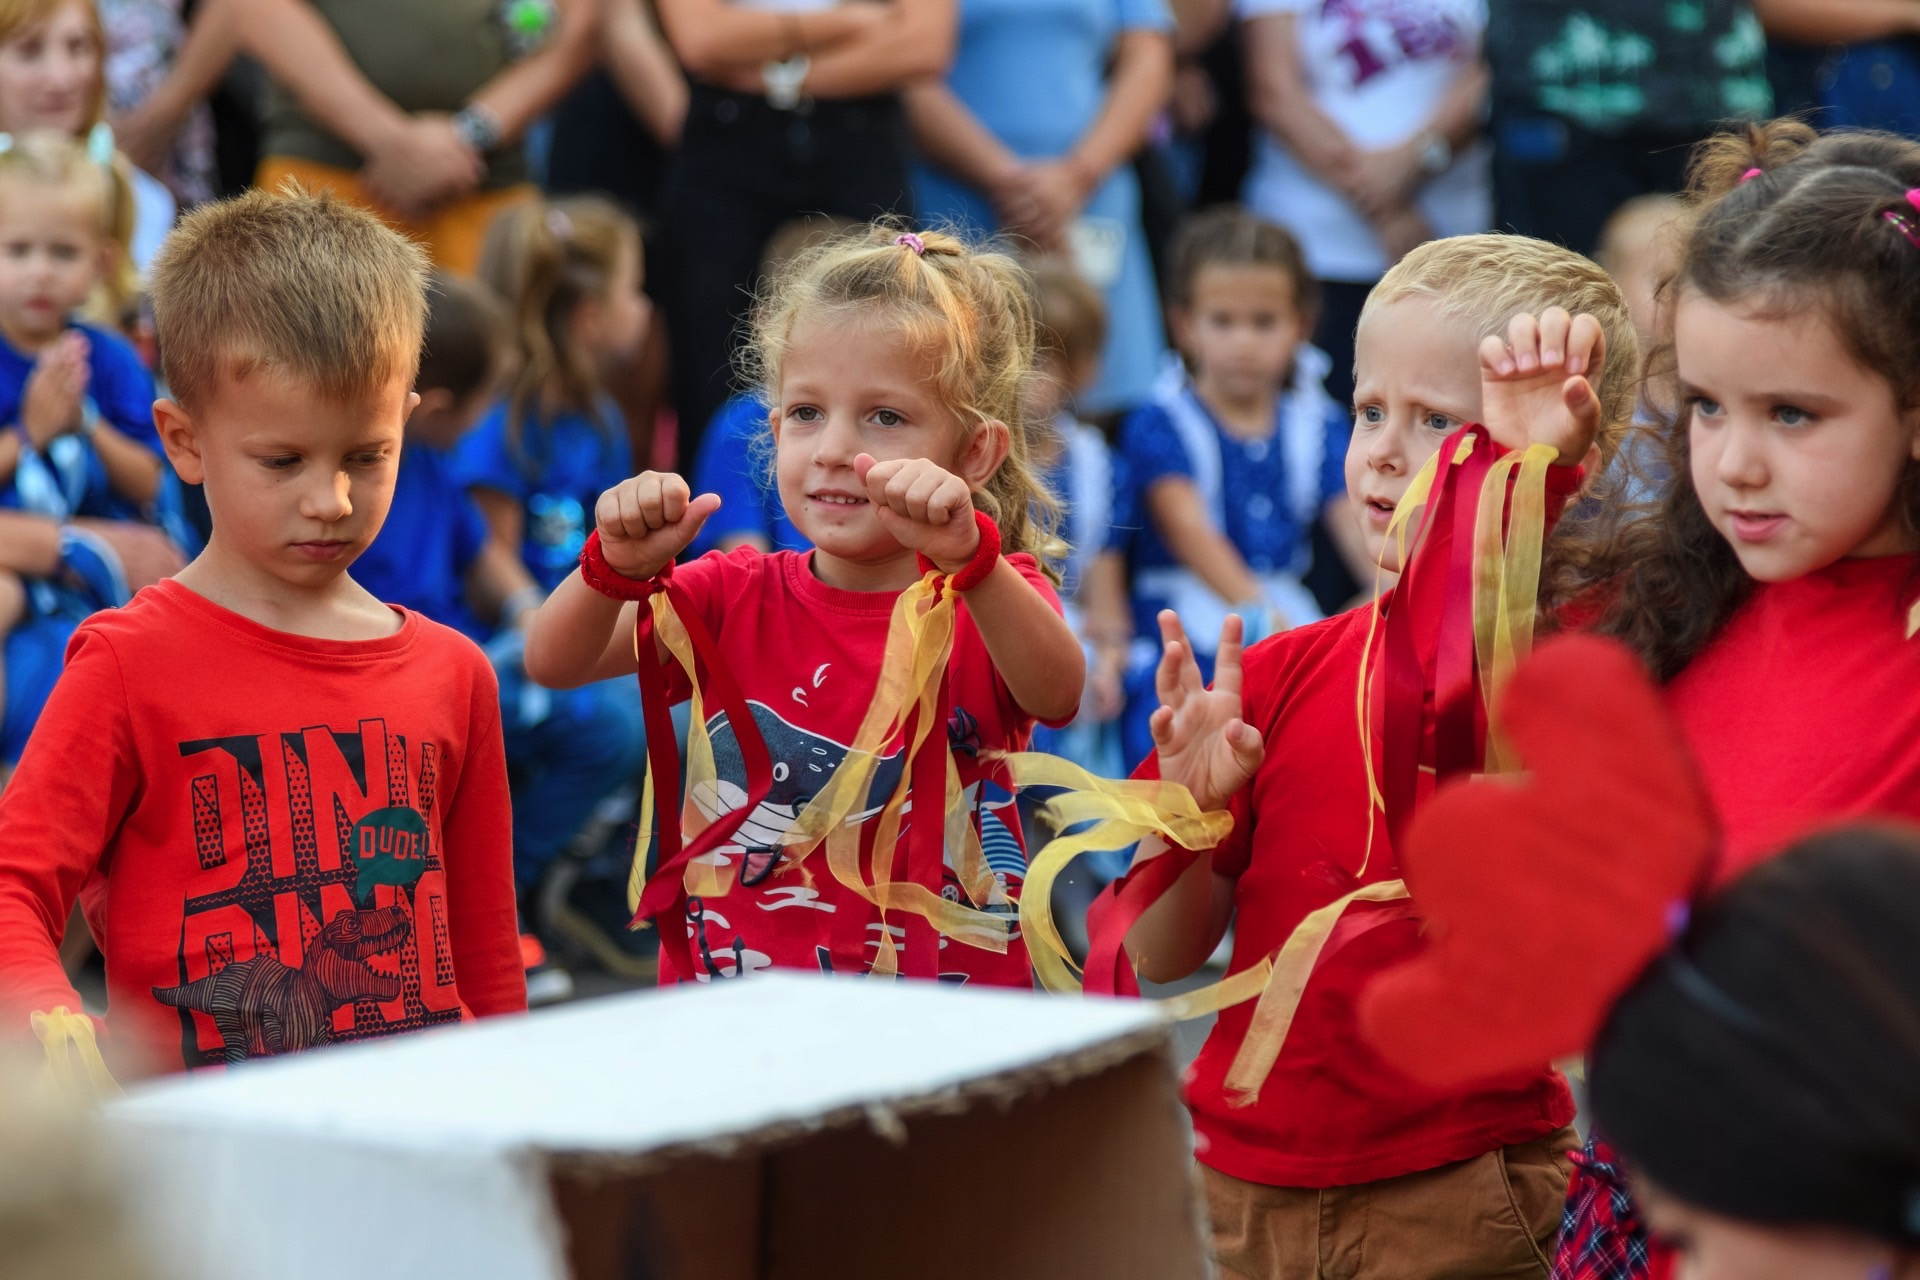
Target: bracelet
608	581
985	556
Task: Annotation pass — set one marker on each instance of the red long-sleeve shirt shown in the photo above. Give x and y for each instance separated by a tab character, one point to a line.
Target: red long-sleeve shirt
277	841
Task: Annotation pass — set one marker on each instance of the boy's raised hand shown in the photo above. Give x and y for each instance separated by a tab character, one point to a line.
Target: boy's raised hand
646	521
1198	734
1534	384
925	507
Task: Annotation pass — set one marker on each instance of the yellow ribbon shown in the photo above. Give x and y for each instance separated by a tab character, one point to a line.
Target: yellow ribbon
73	1054
1122	813
913	669
1506	579
1292	968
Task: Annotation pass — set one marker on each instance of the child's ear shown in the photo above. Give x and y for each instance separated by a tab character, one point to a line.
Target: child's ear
985	450
180	439
1180	325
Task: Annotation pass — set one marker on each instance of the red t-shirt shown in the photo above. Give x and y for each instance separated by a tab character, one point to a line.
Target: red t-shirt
807	656
277	841
1802	710
1332	1112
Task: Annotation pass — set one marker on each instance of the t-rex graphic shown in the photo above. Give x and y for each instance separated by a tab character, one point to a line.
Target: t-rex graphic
261	1006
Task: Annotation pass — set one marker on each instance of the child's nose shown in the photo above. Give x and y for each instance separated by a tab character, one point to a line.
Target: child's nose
329	499
837	442
1741	464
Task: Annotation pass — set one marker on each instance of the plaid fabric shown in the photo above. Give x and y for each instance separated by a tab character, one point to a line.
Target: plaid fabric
1601	1235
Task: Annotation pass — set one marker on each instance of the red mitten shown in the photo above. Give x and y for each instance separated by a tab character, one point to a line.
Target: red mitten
1548	891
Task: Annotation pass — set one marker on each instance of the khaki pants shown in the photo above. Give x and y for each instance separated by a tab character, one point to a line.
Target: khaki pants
452	233
1492	1216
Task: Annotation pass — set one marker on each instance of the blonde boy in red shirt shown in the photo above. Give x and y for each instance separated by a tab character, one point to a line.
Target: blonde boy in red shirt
1341	1167
281	804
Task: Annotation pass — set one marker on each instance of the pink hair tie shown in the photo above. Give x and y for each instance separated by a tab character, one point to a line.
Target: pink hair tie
1913	197
559	224
1751	174
908	240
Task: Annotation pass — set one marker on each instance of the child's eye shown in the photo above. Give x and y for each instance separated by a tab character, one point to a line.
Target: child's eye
804	413
367	459
1701	407
1789	416
280	461
1441	423
1371	415
887	418
64	253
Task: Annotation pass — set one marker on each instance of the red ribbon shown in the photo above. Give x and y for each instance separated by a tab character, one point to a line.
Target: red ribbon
664	896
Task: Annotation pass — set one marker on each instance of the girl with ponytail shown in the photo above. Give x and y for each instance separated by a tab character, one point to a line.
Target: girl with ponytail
905	647
570	271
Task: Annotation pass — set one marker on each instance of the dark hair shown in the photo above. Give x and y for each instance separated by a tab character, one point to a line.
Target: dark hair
1809	229
1229	236
1767	1068
467	336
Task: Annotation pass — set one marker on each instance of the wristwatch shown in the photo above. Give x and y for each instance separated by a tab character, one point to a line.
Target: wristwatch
786	81
478	127
1436	153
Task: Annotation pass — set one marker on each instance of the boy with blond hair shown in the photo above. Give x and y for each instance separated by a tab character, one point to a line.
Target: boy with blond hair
281	804
1337	1165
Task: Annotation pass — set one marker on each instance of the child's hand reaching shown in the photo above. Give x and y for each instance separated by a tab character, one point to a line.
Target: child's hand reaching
1533	384
1198	734
50	405
646	521
924	507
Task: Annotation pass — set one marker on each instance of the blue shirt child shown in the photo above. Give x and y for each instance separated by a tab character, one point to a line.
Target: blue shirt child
556	469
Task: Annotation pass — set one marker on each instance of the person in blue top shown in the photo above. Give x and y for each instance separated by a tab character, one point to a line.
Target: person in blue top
1238	453
542	456
566	751
1032	132
80	461
736	462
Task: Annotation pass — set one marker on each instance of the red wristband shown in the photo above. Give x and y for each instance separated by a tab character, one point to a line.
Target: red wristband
608	581
985	556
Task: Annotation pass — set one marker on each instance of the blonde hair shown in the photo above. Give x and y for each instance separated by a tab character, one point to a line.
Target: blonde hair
298	282
546	259
1487	280
968	306
45	159
1070	316
120	286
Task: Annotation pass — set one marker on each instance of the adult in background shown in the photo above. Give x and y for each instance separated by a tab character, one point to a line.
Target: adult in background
1594	105
793	108
1369	117
1032	133
414	107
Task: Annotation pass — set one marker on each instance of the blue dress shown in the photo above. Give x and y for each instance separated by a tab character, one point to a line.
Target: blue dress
1034	72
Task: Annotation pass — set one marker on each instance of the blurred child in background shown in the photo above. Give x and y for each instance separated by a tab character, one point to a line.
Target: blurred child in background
81	452
52	76
1076	464
1239	451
